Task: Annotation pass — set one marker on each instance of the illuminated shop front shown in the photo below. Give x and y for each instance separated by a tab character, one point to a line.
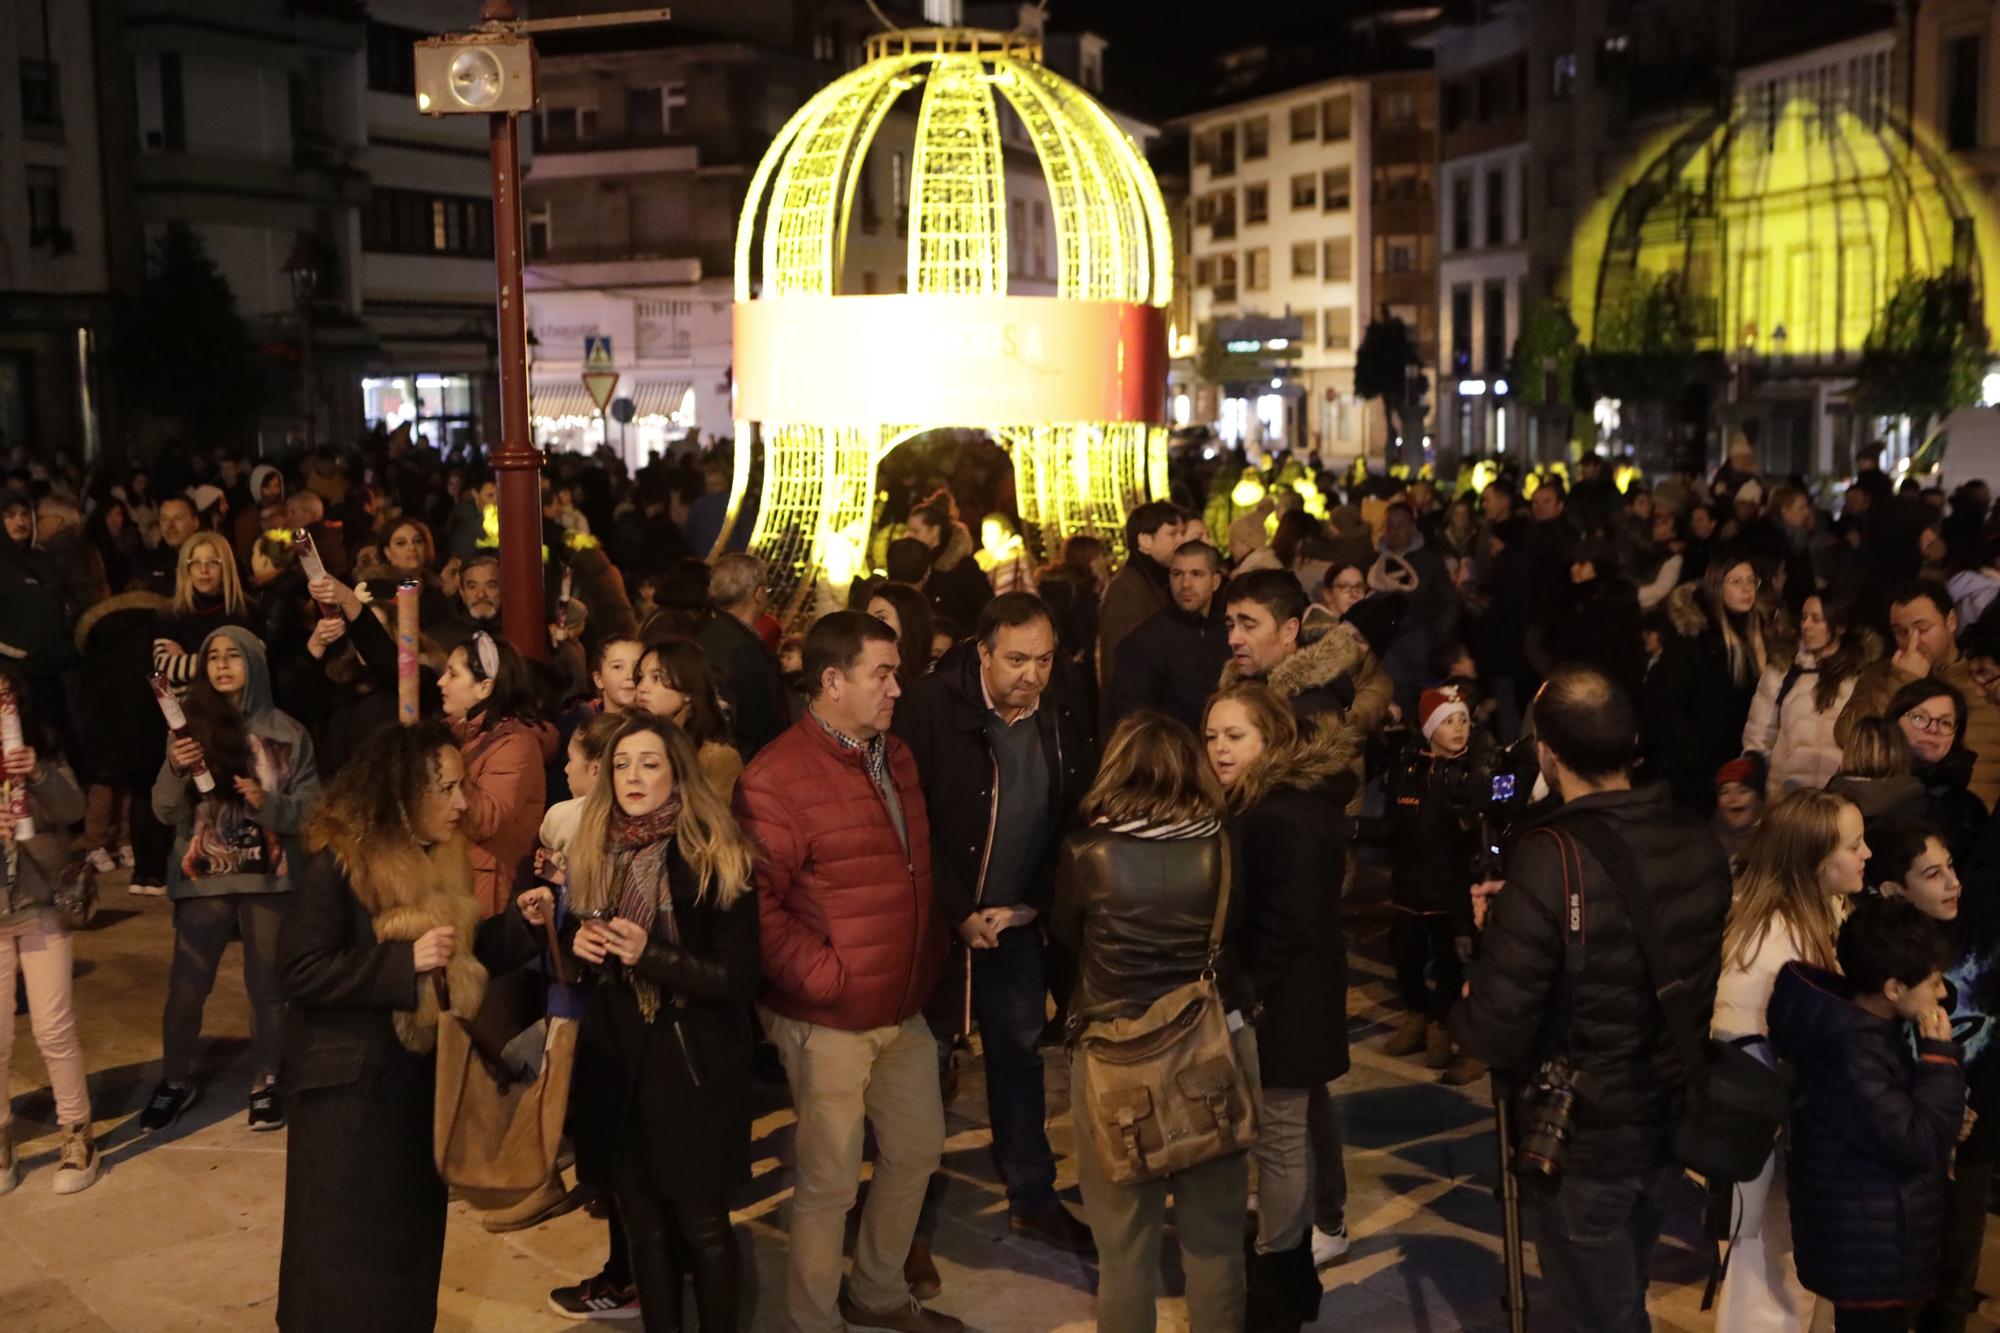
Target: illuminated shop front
1071	385
440	410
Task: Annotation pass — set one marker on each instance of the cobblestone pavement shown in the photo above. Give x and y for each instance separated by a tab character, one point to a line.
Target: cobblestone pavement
182	1232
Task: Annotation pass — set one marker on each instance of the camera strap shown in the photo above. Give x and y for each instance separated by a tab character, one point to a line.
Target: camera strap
1622	869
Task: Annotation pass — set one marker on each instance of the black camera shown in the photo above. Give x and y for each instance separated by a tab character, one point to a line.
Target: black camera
1549	1120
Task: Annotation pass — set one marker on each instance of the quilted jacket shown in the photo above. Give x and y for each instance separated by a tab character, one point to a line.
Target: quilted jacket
851	935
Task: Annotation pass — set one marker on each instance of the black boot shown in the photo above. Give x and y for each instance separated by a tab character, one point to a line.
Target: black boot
1273	1297
1301	1279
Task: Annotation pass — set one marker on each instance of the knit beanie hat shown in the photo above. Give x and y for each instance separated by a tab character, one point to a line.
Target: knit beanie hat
1437	705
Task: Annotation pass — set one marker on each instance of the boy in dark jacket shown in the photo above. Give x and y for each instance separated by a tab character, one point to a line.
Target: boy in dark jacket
1427	825
1873	1137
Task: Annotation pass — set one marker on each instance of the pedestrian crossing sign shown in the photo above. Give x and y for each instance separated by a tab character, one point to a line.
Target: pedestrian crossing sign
597	352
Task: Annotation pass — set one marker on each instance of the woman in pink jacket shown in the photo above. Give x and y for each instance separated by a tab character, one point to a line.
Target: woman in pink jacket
490	702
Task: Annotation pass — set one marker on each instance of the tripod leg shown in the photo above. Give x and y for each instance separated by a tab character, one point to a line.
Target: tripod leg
1515	1299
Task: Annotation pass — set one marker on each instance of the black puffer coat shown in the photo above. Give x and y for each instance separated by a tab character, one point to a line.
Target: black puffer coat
1170	663
1526	1005
1290	844
1429	825
1871	1141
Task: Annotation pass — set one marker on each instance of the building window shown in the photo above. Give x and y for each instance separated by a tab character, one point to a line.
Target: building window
392	64
1041	239
1496	207
1339	328
1225	280
565	126
1613	59
1457	109
1461	329
1403	185
1305	192
541	237
1396	254
1017	235
1257	270
1256	138
1204	272
417	222
41	99
1399	109
1305	123
1493	340
1961	92
826	44
1256	204
45	226
1562	76
172	135
1222	152
654	112
899	194
869	282
1222	219
1305	260
1338	259
1461	212
1336	189
1336	117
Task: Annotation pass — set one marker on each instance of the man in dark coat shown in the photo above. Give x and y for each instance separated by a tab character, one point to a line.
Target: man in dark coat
1560	974
749	672
1152	535
1171	661
1004	755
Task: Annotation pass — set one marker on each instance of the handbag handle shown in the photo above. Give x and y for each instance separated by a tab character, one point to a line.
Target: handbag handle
556	961
1215	927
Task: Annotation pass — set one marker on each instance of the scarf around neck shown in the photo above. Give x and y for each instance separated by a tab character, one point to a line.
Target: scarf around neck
640	884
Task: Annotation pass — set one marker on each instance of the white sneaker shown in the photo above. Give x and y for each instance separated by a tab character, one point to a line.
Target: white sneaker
101	861
125	861
1328	1246
143	890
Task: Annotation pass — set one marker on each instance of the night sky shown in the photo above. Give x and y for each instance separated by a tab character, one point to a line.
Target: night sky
1160	55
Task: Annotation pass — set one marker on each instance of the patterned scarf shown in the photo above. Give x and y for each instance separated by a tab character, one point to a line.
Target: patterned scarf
639	885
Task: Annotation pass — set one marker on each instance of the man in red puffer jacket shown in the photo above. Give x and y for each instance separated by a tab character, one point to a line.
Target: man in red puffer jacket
852	950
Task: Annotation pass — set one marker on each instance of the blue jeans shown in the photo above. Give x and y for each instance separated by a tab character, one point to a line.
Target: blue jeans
1010	1008
1595	1237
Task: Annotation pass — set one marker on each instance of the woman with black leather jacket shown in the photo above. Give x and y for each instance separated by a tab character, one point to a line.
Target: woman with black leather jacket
1135	896
664	917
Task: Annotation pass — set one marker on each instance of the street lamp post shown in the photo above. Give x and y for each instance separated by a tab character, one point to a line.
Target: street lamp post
303	272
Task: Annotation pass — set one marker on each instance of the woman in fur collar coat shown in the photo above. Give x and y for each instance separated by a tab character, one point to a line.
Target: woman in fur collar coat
385	896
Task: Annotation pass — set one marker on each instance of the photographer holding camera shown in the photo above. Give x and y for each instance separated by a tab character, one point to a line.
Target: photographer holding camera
1561	999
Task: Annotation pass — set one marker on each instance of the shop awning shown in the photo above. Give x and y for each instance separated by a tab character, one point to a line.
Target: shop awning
551	399
657	398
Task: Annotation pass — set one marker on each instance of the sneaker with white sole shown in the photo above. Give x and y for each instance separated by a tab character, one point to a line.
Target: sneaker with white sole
140	888
101	861
595	1298
81	1164
1329	1246
165	1106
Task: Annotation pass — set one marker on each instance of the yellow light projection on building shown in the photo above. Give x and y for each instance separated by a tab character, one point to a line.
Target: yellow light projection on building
1784	227
1073	386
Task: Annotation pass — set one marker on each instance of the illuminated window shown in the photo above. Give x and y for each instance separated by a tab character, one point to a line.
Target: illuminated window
1256	138
1339	328
1562	76
1256	204
1336	117
1338	259
1305	260
1336	189
1305	192
1257	270
1305	123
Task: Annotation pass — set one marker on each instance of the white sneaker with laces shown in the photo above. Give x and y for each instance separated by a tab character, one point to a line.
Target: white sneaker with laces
101	861
1328	1246
143	890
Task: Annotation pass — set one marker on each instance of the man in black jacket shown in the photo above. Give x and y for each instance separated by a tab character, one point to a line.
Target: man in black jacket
1561	974
1004	756
1171	661
736	588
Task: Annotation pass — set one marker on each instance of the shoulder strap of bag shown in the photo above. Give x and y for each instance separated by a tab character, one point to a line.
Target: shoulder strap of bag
1622	868
1215	927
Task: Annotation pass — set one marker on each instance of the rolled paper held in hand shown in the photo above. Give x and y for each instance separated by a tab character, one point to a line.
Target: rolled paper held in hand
314	567
406	653
17	788
177	723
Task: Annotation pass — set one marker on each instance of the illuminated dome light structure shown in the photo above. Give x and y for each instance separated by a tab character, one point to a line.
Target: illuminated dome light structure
1786	225
1071	385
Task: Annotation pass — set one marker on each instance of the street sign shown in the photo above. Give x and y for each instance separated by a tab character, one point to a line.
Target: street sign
623	410
597	353
601	385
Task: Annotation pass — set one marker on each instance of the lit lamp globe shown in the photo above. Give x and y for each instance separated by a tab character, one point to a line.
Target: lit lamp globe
1071	385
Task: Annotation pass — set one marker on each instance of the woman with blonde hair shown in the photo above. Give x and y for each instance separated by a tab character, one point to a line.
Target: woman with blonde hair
1800	869
1285	795
1135	895
207	595
665	922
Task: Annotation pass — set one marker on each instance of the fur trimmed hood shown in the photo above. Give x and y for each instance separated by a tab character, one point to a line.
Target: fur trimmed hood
1341	651
1326	752
956	550
1684	609
406	891
111	606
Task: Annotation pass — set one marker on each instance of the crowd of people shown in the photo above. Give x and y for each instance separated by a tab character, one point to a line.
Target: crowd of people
1622	750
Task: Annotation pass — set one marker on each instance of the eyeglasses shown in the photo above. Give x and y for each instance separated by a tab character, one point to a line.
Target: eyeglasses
1750	581
1939	726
